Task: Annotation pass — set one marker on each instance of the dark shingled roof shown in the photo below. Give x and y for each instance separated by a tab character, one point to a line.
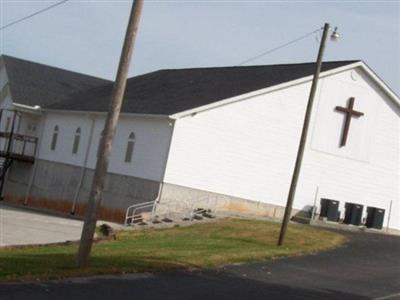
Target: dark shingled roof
37	84
163	92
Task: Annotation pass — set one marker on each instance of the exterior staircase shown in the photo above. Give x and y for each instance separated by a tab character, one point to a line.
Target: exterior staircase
5	164
169	213
14	146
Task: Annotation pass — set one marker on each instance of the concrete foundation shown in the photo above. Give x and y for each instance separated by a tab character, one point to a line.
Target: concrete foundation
55	185
17	178
219	203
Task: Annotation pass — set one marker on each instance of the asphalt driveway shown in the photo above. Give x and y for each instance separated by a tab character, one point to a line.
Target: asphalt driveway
367	268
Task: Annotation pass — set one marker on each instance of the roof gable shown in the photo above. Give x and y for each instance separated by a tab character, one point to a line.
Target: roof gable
325	73
37	84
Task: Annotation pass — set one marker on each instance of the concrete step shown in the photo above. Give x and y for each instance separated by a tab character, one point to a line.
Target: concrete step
208	215
180	222
167	220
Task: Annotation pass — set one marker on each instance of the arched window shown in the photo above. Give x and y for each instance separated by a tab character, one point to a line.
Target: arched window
55	138
129	147
77	139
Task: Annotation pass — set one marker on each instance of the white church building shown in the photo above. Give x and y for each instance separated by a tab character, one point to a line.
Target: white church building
227	133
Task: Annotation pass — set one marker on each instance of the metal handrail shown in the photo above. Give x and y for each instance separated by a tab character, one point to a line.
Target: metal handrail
19	136
140	204
18	144
134	209
188	211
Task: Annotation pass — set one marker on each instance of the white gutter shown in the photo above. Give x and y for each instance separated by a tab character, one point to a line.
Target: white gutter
33	173
161	186
28	108
99	113
388	91
84	167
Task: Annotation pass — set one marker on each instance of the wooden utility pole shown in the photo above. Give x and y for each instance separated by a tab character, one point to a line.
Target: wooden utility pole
94	201
303	139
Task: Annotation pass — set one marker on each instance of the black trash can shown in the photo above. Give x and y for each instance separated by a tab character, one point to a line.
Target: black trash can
329	209
375	217
353	214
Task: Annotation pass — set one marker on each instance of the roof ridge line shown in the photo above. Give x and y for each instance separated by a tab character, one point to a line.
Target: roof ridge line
253	66
5	56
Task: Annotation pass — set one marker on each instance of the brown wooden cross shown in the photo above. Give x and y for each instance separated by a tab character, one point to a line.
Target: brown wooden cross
350	112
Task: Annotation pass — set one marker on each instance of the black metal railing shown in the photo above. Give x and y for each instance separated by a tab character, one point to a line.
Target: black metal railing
18	146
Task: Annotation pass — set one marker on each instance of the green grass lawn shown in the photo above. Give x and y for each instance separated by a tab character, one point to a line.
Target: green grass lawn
202	245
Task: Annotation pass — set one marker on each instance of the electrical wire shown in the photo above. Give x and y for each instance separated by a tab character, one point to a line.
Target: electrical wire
240	64
278	47
32	15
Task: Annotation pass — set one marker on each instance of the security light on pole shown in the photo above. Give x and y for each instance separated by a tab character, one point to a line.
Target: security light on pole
335	35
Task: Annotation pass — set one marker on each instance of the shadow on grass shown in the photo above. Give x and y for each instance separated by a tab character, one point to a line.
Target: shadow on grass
55	266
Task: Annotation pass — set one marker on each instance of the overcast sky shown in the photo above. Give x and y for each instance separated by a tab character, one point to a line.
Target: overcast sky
86	36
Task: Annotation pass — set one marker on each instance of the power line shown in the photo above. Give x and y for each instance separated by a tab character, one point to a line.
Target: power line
33	14
278	47
241	63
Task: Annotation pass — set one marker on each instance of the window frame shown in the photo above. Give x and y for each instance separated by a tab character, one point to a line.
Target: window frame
77	140
54	138
130	147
